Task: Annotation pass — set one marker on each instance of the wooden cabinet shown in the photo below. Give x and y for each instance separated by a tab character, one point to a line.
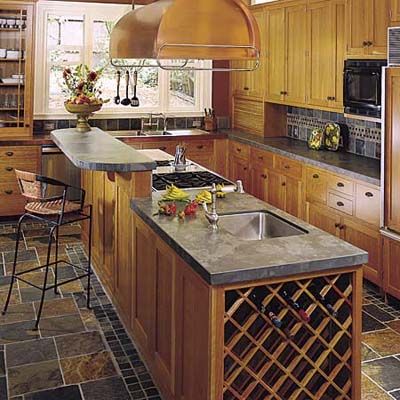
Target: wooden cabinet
326	53
394	11
248	114
16	95
392	152
27	158
259	181
167	146
368	21
323	218
391	257
239	163
201	152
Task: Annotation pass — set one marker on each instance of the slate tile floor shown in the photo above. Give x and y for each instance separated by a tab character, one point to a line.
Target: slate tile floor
81	354
77	354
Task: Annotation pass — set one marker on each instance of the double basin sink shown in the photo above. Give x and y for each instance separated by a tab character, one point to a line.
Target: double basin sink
258	225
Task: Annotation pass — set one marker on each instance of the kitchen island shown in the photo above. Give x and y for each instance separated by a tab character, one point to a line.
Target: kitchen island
218	317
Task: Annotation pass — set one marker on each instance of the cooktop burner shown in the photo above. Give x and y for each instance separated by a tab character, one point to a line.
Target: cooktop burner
163	163
187	180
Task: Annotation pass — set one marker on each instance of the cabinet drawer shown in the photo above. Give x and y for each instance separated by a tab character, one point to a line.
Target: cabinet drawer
12	204
7	170
316	185
368	202
199	147
168	147
7	189
340	203
341	185
262	157
288	167
12	153
239	150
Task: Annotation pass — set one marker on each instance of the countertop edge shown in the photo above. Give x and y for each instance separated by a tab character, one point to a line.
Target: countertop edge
319	164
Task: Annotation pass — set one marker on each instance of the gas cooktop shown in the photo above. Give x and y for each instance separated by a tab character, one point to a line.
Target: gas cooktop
187	180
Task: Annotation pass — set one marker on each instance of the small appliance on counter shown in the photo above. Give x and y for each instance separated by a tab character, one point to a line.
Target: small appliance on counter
363	87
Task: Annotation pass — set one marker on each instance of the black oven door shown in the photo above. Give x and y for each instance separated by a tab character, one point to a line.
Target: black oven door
362	88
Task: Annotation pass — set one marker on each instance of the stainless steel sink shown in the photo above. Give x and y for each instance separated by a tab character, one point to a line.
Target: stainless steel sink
258	225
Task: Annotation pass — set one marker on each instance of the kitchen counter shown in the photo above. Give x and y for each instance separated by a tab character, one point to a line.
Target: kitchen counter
98	151
358	167
220	258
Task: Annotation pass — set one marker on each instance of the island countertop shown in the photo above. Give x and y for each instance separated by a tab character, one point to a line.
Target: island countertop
98	151
220	258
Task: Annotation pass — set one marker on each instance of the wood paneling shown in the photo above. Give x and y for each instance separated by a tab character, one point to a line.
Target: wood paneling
391	257
248	114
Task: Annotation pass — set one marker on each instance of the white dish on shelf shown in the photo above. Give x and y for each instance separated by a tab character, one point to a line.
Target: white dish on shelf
18	76
3	53
12	81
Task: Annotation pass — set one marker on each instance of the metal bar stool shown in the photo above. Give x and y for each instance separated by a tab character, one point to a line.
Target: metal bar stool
55	211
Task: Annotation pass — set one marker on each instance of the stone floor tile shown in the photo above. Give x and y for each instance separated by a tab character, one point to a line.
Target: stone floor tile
71	287
89	319
37	278
23	255
369	323
30	352
395	394
17	332
34	377
63	393
79	344
21	266
88	367
371	391
106	389
57	307
57	326
3	388
367	353
385	342
378	313
17	313
385	372
15	297
34	294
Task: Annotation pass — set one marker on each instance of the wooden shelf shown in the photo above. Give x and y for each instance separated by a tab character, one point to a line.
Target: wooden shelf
12	30
11	109
12	84
12	60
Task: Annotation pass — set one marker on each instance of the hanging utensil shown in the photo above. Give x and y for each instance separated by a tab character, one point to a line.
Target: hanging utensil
126	101
117	98
135	101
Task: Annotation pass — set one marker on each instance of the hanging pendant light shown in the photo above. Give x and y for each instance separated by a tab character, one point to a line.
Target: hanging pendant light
187	30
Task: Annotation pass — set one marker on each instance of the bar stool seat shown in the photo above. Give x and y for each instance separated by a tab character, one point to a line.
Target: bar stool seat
55	211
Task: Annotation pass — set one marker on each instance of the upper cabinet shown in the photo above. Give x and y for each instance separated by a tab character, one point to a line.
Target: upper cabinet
395	12
251	83
16	75
367	23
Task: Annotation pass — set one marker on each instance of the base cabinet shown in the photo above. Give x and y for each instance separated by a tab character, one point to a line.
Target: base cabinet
391	257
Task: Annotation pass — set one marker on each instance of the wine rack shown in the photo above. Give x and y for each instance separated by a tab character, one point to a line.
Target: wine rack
294	359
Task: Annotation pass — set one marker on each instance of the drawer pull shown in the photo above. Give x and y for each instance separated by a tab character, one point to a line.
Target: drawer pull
246	88
340	204
8	192
9	169
287	166
200	146
238	149
163	148
316	176
245	169
340	184
283	183
337	225
261	158
264	176
369	194
9	154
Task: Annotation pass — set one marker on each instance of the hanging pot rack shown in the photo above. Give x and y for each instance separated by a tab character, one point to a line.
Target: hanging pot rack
186	30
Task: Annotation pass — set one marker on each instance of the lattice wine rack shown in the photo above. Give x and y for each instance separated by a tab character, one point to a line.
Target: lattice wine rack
289	341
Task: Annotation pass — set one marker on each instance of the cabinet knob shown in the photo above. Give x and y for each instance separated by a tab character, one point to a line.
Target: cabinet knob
365	43
238	149
369	194
200	146
261	158
287	166
9	169
340	204
337	225
246	88
316	176
283	183
264	176
340	184
8	192
9	153
369	44
244	168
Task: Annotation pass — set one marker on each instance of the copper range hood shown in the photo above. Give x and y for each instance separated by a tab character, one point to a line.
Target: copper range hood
187	30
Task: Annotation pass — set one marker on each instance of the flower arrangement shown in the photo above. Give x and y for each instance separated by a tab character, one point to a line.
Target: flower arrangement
81	86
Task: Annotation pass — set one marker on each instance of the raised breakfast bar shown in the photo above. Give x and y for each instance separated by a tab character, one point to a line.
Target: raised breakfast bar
216	316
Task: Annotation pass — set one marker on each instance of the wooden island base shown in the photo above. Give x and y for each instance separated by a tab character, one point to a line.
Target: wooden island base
205	342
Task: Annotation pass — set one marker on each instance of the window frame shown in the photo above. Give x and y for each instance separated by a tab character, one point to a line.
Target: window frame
92	12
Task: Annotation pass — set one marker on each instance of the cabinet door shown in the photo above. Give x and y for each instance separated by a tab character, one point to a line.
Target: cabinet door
358	27
259	182
98	219
276	190
323	218
322	45
395	10
380	20
239	82
391	257
239	169
275	53
294	197
296	60
316	185
392	153
16	95
368	240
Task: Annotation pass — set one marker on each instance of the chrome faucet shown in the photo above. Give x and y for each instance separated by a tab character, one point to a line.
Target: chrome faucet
154	121
212	216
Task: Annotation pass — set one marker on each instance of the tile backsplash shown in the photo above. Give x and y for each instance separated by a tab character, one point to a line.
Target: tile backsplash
359	137
125	124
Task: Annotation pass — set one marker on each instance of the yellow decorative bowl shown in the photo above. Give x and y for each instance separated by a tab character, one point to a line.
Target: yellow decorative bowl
83	112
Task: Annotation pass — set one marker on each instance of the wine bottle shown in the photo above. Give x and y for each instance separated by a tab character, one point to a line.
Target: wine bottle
318	296
275	320
257	296
296	306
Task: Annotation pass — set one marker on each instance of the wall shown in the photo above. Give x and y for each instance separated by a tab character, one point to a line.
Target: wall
360	137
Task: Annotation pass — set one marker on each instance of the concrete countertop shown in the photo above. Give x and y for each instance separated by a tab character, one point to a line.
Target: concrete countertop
362	168
98	151
220	258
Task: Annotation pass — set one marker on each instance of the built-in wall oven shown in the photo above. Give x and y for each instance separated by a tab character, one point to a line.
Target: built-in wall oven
363	87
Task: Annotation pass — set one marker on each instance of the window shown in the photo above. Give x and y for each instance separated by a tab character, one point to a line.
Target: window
69	34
